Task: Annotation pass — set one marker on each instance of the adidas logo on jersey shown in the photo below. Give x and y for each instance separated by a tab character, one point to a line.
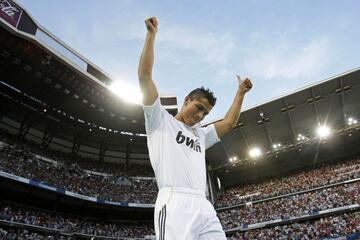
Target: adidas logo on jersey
193	144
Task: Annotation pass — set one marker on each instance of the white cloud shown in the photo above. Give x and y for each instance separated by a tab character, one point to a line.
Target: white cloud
285	60
206	46
223	73
224	77
175	43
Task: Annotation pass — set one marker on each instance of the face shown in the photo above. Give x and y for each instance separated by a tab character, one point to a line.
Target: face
195	110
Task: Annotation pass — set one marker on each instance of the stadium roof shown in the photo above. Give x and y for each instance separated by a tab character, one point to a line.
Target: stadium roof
292	121
47	77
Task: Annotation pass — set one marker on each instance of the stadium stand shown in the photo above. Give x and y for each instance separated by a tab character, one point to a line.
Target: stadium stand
12	214
13	233
341	226
18	159
292	206
304	180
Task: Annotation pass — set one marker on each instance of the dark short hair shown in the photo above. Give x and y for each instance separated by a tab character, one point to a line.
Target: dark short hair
203	93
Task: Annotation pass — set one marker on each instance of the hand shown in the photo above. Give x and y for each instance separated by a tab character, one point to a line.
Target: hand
244	85
151	24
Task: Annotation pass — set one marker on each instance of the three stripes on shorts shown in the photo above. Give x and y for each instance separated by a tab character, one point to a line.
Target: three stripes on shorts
162	219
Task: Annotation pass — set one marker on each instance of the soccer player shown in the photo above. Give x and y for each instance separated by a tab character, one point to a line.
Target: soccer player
177	153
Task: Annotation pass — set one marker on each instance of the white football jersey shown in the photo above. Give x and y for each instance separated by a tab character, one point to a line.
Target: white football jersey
176	150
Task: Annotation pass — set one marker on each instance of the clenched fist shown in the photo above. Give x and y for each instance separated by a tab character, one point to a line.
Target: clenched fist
151	24
244	85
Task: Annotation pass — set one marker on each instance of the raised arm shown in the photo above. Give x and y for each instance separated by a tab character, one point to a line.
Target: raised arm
147	85
232	116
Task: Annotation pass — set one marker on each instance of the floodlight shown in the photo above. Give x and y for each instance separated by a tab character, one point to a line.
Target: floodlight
300	137
126	91
352	121
255	152
276	145
323	131
232	159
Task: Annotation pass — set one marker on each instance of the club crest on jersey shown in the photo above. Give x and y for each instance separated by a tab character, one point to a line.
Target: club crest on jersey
189	142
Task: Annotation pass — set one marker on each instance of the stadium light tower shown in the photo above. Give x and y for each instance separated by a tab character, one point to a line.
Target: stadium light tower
126	91
323	131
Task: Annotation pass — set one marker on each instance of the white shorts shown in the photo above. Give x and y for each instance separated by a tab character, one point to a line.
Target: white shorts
185	214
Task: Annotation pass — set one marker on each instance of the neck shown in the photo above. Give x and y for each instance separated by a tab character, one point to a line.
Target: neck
179	117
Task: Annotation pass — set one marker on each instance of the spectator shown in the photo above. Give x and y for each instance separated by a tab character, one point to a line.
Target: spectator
72	224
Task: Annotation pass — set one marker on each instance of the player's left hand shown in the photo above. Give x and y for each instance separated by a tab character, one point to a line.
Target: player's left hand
244	84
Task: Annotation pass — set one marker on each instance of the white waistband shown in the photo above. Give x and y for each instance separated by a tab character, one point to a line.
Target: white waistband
182	191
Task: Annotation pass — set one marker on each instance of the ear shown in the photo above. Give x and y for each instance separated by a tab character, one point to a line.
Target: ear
187	100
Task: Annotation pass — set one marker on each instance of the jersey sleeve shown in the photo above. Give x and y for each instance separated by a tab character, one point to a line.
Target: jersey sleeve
154	115
211	136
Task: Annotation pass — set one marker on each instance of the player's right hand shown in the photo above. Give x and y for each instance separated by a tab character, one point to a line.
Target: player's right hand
151	24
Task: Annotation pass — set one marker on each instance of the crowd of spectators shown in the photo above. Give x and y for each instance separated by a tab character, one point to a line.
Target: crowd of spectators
73	224
132	170
11	233
292	206
16	159
129	170
19	158
297	182
342	225
62	171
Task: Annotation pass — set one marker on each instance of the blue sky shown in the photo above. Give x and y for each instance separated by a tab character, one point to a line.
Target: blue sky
282	45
